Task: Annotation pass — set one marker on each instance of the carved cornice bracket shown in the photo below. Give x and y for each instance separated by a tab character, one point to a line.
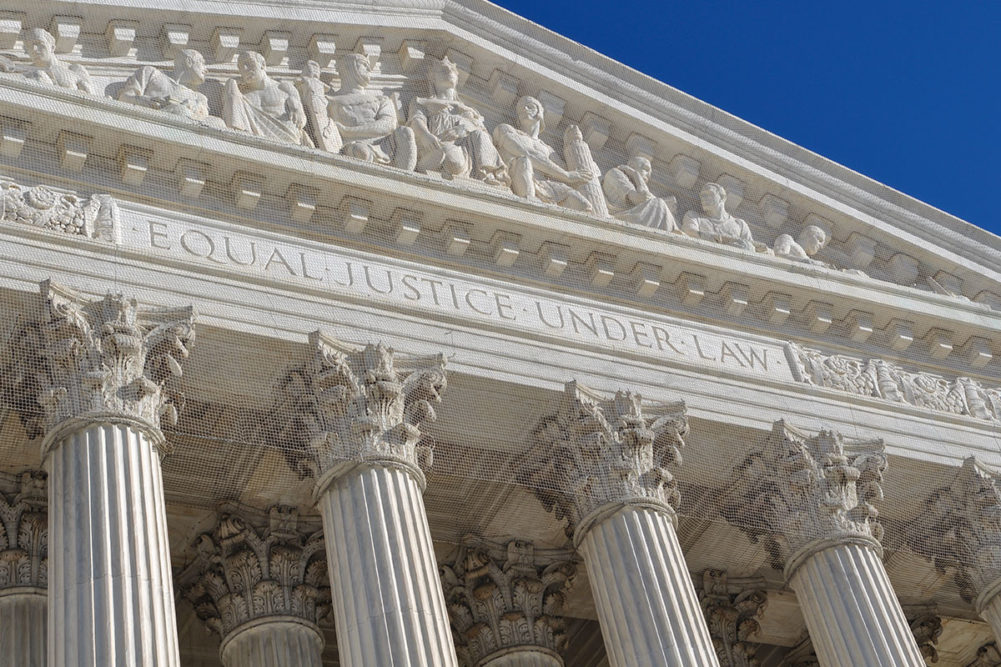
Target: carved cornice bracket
961	530
248	569
502	596
24	534
102	357
595	452
347	406
732	619
800	493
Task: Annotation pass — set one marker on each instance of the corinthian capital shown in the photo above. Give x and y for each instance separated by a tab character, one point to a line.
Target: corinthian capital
732	619
24	534
252	567
961	530
801	492
505	596
595	452
351	405
100	357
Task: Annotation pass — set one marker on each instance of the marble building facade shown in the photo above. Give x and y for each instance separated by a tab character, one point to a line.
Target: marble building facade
411	333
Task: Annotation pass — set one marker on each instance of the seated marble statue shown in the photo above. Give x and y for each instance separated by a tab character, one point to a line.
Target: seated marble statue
718	224
532	163
150	87
261	106
40	46
451	136
811	241
629	198
366	120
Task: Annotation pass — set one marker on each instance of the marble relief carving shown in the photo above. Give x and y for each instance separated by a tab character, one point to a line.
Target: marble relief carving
732	619
257	104
40	47
629	198
881	379
811	241
177	94
717	224
96	216
24	534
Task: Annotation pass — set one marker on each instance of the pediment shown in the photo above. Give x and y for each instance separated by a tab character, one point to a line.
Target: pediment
891	270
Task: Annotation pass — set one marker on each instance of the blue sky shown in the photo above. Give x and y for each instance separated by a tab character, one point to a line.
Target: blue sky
907	93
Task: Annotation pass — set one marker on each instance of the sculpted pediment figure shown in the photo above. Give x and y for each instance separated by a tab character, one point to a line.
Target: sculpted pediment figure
152	88
629	198
40	47
811	241
366	120
717	224
451	136
261	106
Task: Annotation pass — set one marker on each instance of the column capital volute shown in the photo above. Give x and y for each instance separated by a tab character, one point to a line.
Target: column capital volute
960	530
254	566
100	359
595	455
801	494
506	596
348	406
24	533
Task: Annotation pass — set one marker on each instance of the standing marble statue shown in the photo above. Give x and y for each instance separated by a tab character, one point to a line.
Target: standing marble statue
314	91
261	106
532	163
178	95
629	198
40	46
718	224
450	134
811	241
366	120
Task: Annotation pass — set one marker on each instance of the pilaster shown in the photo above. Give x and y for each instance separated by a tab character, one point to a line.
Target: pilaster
505	602
24	572
355	420
809	501
95	378
262	589
602	465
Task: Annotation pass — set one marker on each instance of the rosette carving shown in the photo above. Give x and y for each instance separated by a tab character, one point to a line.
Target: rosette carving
502	596
800	489
593	452
106	356
347	404
243	572
24	534
732	619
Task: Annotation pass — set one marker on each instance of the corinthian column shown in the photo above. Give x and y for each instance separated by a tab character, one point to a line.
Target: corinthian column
95	378
961	531
732	618
23	573
504	600
602	464
809	501
360	412
263	589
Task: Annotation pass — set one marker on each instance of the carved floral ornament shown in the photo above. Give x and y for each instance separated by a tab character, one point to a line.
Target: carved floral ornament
732	619
881	379
348	405
243	572
38	206
24	534
594	453
434	129
502	596
800	492
98	357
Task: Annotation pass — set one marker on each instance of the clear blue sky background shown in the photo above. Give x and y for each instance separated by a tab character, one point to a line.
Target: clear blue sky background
905	92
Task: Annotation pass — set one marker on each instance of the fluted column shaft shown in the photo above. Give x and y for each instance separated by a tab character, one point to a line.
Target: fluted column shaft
388	604
646	602
990	610
273	642
524	656
850	609
22	627
111	600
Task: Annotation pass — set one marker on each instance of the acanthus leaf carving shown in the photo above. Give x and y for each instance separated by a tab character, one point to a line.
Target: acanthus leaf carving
732	619
103	356
799	490
248	569
351	405
927	628
24	534
503	596
594	452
